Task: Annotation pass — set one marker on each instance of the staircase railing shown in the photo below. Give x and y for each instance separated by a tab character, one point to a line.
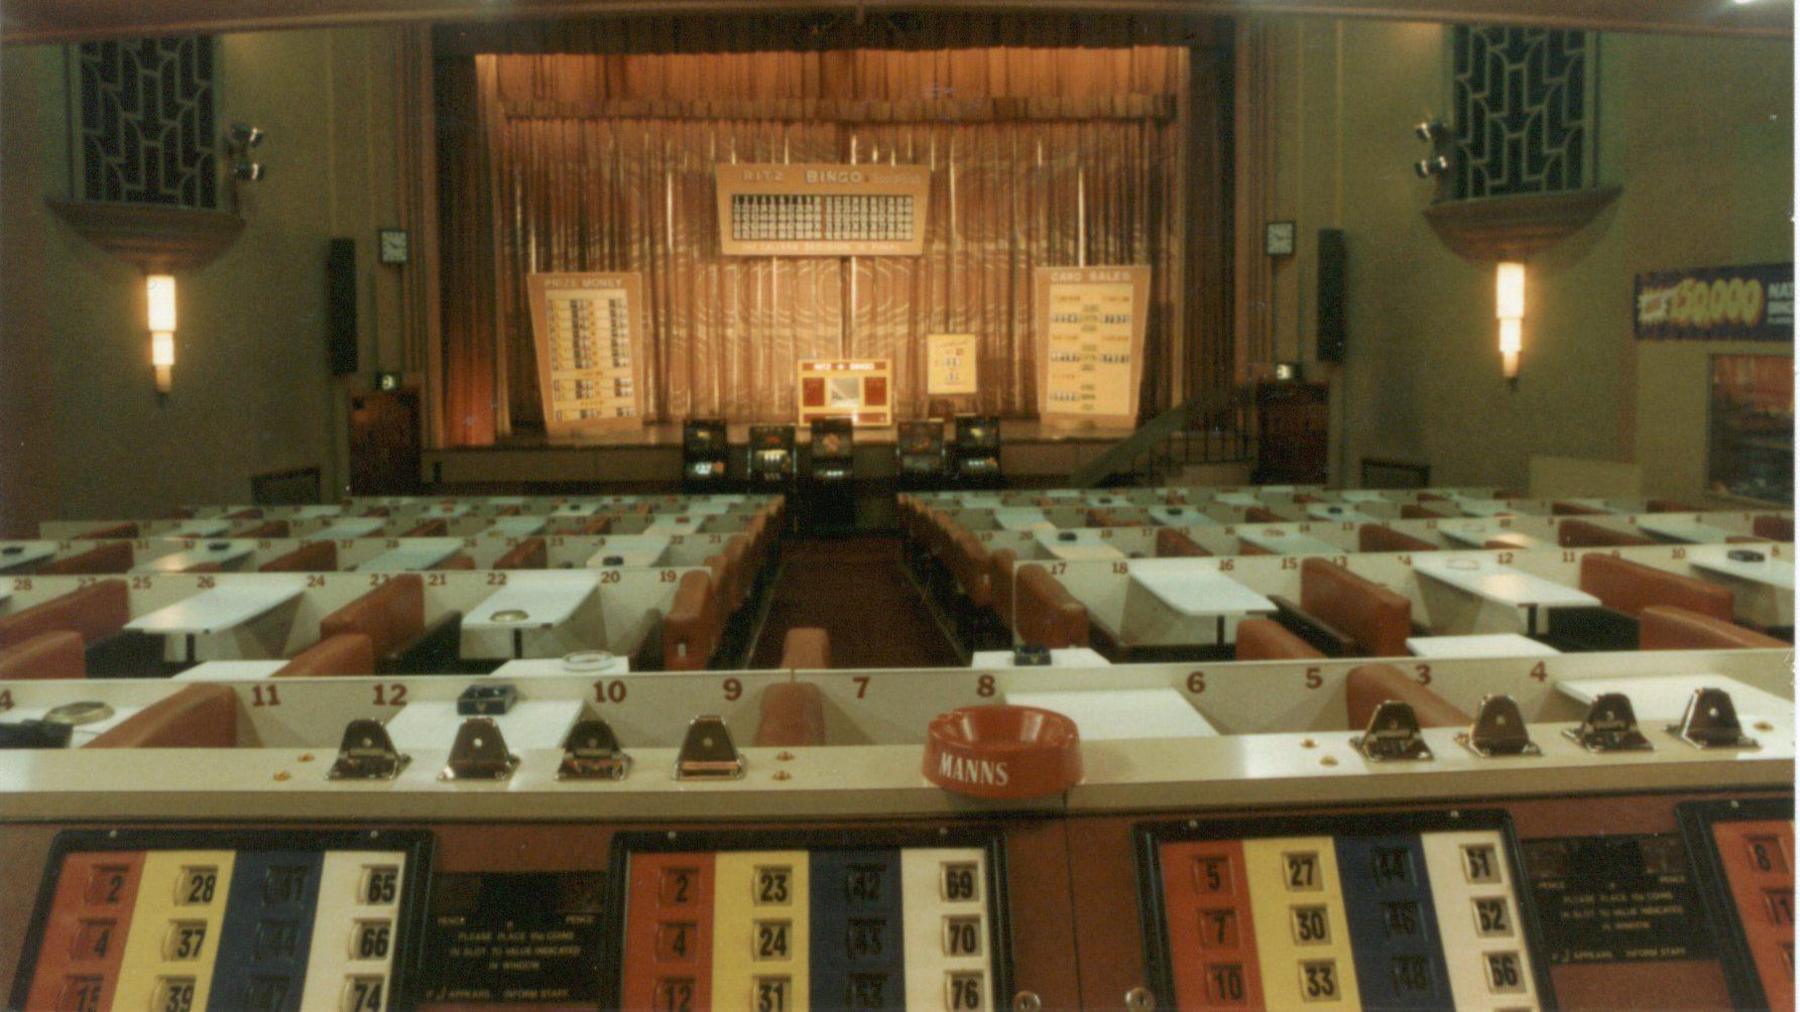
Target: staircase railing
1121	456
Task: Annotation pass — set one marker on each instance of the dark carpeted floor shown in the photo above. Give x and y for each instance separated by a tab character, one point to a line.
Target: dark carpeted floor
855	590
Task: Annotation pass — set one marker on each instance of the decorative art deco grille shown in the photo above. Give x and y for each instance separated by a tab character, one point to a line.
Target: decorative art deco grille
147	129
1524	106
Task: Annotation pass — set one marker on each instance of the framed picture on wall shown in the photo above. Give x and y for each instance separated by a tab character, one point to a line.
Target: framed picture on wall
1750	451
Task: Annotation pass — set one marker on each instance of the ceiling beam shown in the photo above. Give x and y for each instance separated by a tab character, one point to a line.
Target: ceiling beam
38	21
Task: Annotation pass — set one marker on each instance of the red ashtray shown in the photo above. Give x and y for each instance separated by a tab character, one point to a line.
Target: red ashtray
1003	752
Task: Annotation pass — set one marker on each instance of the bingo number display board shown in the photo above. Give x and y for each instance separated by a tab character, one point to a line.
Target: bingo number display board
1404	912
590	349
822	210
860	389
172	921
950	365
785	922
1090	322
1745	851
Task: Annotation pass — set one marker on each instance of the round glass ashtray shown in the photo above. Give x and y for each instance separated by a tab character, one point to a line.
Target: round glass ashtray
587	660
511	615
77	714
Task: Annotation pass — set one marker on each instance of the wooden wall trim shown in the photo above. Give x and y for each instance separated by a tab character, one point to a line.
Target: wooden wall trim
33	21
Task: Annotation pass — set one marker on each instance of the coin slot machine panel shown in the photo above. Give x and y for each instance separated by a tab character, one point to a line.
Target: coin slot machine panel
190	919
1420	910
775	921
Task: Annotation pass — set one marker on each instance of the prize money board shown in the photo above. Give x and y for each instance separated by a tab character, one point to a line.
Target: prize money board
590	349
1090	322
822	210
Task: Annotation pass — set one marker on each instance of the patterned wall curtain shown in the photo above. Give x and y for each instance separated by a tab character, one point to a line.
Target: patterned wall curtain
605	162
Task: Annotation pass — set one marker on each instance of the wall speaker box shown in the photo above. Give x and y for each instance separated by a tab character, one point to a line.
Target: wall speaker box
1332	324
340	306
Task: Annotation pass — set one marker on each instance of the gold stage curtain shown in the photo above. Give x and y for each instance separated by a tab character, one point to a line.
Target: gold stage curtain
604	162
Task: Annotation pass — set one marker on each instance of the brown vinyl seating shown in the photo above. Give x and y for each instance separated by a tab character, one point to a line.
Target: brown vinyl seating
1584	534
95	612
1263	639
1370	685
343	654
805	647
1630	587
1571	509
458	561
531	553
1260	515
1174	544
1413	511
124	530
112	557
1045	613
968	563
1382	538
1000	583
1773	528
48	655
793	713
1115	517
391	616
596	525
266	529
1665	627
1667	506
435	528
311	557
1376	618
198	716
691	627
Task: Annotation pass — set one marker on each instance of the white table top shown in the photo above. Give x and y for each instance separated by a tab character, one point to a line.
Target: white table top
413	554
230	671
347	530
533	601
1679	528
1665	699
575	509
1771	570
531	723
631	550
1362	495
177	562
1287	542
199	529
1485	507
1335	511
81	734
517	527
562	667
1196	590
19	554
675	523
1237	499
220	608
1085	545
1018	518
1593	504
1112	714
1480	645
1067	657
1475	534
1486	578
1180	516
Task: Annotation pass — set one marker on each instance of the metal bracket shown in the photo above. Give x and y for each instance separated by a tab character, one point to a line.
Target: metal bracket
1711	721
1499	730
479	753
592	752
1393	734
367	753
707	752
1610	726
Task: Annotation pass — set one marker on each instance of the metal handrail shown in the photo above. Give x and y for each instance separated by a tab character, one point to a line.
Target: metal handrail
1152	434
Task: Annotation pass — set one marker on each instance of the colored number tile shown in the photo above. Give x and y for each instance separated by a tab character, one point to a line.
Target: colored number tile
1476	909
1757	858
855	914
1212	941
668	943
1296	902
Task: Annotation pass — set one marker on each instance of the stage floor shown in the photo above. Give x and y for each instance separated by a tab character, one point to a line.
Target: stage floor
650	457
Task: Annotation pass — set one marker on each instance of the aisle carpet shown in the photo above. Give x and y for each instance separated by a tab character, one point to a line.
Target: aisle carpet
854	589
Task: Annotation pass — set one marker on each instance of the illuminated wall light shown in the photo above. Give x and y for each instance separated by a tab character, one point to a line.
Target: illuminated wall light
159	291
1509	309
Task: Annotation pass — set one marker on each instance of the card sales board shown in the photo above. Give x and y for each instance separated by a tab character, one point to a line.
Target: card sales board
950	368
822	210
590	349
1090	322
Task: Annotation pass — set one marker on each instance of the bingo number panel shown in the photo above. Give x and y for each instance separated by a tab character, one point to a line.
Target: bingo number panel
264	921
1405	912
784	922
1745	854
822	210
